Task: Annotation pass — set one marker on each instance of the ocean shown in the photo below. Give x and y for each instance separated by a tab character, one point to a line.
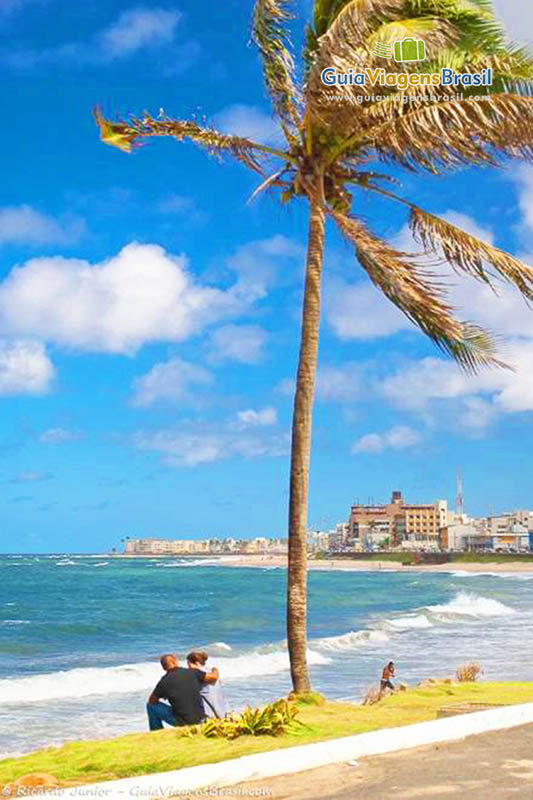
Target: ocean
80	636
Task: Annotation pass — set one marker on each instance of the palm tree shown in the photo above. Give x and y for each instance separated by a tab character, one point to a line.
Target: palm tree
329	157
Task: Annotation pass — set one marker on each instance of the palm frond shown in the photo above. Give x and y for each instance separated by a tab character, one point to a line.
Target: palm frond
467	253
402	281
127	134
269	33
454	132
346	32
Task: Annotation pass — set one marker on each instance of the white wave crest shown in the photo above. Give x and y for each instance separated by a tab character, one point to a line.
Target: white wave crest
415	622
518	576
468	604
350	640
201	562
129	678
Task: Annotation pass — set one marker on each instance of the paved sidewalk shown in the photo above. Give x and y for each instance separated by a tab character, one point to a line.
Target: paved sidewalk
491	766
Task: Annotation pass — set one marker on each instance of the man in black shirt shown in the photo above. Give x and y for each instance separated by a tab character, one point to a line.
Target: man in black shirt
181	687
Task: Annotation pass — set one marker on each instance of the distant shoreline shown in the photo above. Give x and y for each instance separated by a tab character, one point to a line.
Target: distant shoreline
346	565
264	561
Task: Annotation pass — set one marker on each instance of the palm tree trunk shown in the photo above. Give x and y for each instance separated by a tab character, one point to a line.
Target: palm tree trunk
301	448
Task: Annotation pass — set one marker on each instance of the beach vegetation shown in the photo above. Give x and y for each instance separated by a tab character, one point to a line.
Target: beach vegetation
468	673
142	753
271	720
334	151
308	698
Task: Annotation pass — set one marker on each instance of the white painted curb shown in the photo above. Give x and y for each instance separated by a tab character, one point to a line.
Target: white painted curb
299	759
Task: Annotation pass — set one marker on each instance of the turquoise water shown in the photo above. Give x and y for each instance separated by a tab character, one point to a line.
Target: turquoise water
80	636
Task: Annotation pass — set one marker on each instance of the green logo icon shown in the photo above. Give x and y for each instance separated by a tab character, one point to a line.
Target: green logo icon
410	50
403	50
383	50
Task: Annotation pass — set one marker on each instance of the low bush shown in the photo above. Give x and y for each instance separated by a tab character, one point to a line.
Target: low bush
307	699
272	720
468	673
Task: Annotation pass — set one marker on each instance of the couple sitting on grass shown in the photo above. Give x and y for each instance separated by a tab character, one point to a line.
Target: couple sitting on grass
193	693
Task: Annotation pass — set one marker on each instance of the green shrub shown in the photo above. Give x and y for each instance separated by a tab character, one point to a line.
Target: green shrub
307	699
272	720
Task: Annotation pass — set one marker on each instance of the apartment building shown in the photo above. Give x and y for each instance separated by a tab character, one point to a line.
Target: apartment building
398	523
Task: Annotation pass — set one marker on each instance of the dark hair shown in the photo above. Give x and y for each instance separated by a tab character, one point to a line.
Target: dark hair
391	663
197	657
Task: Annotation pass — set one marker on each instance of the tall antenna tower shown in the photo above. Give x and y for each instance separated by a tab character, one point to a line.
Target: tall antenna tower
459	496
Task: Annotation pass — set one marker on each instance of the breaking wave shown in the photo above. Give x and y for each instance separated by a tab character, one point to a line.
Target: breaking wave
468	604
129	678
350	640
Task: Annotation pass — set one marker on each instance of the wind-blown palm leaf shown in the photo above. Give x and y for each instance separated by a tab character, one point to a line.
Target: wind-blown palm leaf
467	253
455	132
512	75
344	44
401	280
126	136
269	33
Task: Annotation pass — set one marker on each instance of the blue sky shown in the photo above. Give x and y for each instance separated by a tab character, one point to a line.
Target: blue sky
149	315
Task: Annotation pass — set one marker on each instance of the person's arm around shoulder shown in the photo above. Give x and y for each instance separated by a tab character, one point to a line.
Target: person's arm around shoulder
206	677
212	676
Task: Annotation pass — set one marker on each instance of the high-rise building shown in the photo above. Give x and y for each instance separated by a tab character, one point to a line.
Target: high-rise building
398	523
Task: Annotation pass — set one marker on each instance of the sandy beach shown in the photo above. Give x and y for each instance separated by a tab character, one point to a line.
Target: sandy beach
265	561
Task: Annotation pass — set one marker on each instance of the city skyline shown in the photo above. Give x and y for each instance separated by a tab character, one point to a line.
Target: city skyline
149	314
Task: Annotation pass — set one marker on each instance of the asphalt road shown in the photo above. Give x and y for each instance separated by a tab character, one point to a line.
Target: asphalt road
492	766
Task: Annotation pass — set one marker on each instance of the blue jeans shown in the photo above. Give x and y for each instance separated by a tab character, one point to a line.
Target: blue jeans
159	713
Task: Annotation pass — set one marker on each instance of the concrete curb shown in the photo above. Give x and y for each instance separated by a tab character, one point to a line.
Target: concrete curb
305	757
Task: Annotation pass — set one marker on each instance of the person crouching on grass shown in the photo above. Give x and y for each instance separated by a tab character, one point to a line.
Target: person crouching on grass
181	687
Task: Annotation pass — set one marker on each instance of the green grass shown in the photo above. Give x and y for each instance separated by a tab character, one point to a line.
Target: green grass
491	558
454	558
142	753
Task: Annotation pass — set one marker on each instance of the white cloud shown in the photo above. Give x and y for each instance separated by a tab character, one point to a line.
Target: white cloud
175	204
24	368
523	177
31	476
249	121
137	28
59	436
243	343
201	443
170	381
344	384
259	263
257	419
417	383
399	438
24	225
360	311
140	295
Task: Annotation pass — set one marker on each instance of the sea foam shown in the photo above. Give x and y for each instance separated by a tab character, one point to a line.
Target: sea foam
468	604
350	641
130	678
